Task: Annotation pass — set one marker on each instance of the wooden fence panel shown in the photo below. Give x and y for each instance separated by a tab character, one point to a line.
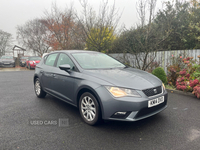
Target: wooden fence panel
164	58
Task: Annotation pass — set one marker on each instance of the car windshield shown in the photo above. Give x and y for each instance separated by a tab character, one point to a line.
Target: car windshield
35	58
6	57
96	61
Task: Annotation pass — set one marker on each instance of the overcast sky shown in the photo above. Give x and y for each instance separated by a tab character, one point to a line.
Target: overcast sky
17	12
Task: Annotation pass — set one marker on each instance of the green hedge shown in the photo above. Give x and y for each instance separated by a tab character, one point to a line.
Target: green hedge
160	73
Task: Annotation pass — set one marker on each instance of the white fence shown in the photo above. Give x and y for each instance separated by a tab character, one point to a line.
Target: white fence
162	57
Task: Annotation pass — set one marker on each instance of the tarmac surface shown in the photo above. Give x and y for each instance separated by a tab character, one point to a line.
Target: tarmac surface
30	123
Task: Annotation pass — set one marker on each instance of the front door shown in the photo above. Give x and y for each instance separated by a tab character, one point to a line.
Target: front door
63	81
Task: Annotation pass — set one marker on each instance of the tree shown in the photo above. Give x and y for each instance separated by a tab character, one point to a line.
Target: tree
5	42
180	18
102	40
143	41
195	3
194	24
33	35
65	31
99	29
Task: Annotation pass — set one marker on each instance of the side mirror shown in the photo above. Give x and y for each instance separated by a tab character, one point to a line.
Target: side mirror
65	67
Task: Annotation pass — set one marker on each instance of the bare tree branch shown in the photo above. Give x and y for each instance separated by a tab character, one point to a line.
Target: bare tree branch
5	42
33	35
97	27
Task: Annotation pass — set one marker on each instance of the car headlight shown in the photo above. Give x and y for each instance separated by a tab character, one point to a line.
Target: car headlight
121	92
163	86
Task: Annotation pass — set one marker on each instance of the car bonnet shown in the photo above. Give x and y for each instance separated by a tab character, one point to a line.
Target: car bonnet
127	77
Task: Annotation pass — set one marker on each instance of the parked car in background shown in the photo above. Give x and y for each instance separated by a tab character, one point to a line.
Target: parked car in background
7	61
100	86
32	61
22	61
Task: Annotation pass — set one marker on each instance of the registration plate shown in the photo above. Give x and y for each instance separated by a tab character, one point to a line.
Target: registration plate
6	63
156	101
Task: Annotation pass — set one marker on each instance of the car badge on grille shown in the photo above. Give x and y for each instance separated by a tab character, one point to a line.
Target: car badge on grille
155	91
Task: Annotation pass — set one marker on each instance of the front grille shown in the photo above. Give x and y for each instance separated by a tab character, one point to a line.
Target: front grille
153	91
6	61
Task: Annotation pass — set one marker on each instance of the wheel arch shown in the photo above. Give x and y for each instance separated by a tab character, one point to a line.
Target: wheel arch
93	92
34	78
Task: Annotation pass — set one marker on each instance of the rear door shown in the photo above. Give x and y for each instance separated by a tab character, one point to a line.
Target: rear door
47	73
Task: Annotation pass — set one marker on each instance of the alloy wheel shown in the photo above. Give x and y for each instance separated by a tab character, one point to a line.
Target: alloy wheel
37	87
88	108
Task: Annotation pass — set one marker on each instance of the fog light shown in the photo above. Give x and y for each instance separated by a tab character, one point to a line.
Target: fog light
120	115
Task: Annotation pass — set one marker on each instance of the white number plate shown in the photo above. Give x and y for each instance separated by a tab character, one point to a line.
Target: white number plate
156	101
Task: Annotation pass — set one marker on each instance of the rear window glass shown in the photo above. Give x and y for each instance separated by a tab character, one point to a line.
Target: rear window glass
35	58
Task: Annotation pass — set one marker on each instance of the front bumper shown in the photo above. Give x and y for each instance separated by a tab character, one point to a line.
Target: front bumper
22	64
32	66
7	64
135	108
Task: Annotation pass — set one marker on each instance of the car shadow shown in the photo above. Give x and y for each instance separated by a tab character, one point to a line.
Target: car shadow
63	106
72	113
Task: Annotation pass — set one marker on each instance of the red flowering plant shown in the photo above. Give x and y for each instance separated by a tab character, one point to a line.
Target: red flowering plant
189	77
195	82
196	91
183	81
173	69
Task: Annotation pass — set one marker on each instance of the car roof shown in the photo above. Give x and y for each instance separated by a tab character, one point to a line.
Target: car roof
75	51
33	56
7	55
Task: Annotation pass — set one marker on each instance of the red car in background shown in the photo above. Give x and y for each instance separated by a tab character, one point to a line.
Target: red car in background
31	62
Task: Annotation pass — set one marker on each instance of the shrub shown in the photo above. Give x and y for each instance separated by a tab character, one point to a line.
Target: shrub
160	73
189	77
196	91
184	81
173	70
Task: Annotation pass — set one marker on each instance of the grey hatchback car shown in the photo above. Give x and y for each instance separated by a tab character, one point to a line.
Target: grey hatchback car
99	86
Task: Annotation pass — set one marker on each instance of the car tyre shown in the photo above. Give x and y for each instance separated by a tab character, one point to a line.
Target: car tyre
89	109
38	89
